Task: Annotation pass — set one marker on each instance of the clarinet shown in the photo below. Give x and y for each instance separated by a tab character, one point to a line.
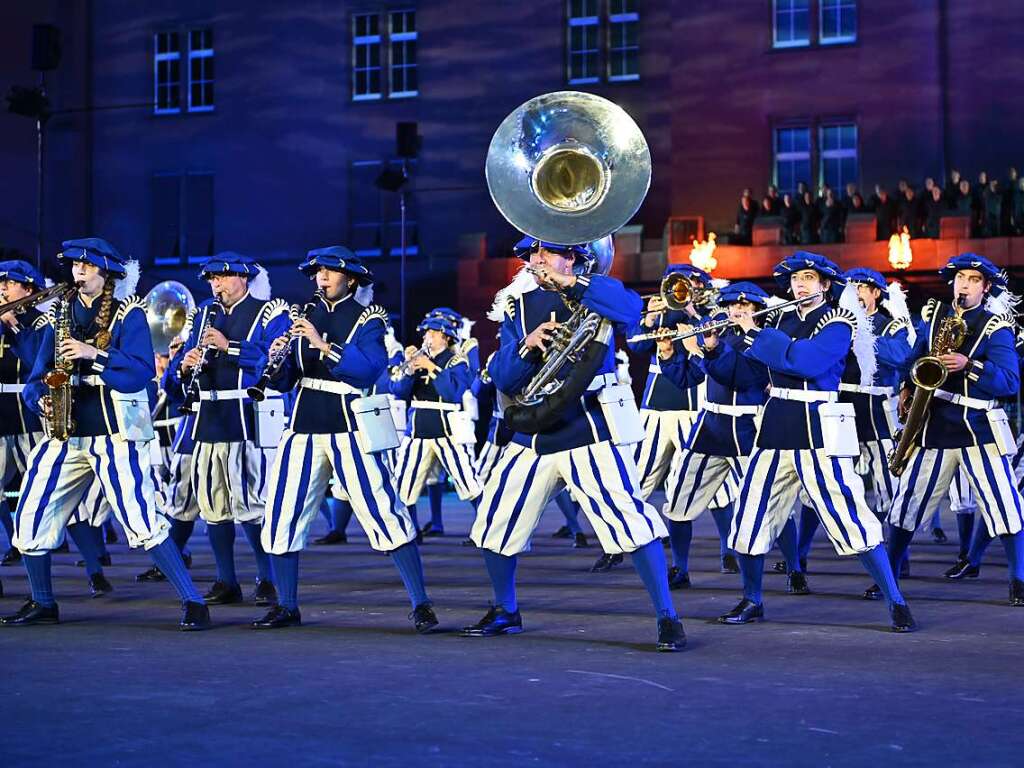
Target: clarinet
192	386
258	391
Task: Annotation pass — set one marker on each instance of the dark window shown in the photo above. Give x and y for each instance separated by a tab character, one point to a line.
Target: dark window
792	157
403	54
200	70
366	45
838	21
791	23
166	73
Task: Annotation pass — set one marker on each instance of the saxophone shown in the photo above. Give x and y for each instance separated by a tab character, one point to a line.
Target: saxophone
928	374
58	403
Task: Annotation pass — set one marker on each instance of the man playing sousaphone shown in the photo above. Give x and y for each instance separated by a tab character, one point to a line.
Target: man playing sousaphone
577	450
964	425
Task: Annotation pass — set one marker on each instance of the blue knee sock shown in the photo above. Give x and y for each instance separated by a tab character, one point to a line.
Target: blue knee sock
964	529
7	522
752	571
98	535
342	515
502	570
788	545
222	542
569	511
723	522
412	514
167	557
285	570
327	511
979	543
252	533
181	532
410	568
649	562
1014	546
84	538
680	534
899	543
880	568
40	578
809	522
434	493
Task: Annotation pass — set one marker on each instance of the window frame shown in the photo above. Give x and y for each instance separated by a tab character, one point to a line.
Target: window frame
583	21
838	154
837	39
359	41
200	53
401	37
628	17
158	58
792	156
790	44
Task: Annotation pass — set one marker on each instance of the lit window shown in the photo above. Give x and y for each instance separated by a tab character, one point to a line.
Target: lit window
791	23
838	155
366	43
838	21
166	73
792	157
623	48
200	70
584	28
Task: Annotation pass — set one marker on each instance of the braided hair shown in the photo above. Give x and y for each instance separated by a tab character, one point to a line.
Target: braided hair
104	315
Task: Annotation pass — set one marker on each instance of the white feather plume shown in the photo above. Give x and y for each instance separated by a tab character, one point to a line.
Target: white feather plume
126	286
522	283
622	367
466	329
863	337
896	305
391	343
259	286
1004	304
719	282
364	295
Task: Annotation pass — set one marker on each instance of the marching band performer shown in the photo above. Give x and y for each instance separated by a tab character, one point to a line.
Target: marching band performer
809	444
20	337
433	379
715	454
339	352
101	341
577	452
965	425
224	355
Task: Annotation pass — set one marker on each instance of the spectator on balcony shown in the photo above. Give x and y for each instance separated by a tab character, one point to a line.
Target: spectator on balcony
766	209
810	218
901	187
745	215
887	214
953	189
790	220
851	190
992	212
1017	209
1009	189
978	193
801	187
934	209
831	218
773	197
909	208
925	194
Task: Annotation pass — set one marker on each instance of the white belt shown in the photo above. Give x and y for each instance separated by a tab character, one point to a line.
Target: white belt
159	423
966	402
329	385
803	395
603	380
223	394
434	405
11	389
732	410
88	381
874	391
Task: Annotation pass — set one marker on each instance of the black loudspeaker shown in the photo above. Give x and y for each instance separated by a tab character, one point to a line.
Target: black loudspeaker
45	47
407	140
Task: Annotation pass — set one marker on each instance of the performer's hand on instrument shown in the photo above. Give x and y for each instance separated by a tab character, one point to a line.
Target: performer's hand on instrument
710	341
214	338
422	363
410	352
551	280
954	361
903	407
278	344
191	359
174	346
655	312
45	406
745	322
666	348
73	349
8	319
305	329
540	337
690	344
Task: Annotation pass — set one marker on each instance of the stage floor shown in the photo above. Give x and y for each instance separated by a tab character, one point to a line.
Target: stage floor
821	682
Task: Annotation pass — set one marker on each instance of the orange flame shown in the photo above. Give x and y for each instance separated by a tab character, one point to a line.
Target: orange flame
900	253
702	255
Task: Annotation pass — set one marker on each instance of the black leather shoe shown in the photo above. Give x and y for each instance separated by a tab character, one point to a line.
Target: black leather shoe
151	574
467	542
671	636
104	561
424	618
433	533
11	556
902	621
796	584
678	579
780	567
579	541
962	569
939	536
745	612
265	593
32	613
194	617
562	533
333	537
729	564
221	594
1017	593
99	586
278	617
874	592
605	563
496	621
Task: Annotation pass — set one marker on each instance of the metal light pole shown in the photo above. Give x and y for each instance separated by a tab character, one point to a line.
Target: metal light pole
401	267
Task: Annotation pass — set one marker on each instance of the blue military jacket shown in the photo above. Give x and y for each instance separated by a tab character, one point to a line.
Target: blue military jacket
19	348
445	386
662	393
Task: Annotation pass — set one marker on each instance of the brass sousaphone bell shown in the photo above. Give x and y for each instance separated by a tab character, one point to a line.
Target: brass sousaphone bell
167	308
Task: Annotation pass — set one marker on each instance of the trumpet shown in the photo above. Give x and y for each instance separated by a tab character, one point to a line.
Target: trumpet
677	290
405	367
258	391
713	327
192	386
60	290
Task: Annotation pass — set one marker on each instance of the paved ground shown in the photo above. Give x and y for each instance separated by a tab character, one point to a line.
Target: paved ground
821	682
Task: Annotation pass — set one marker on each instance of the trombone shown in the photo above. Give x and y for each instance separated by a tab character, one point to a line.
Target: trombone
677	290
713	327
